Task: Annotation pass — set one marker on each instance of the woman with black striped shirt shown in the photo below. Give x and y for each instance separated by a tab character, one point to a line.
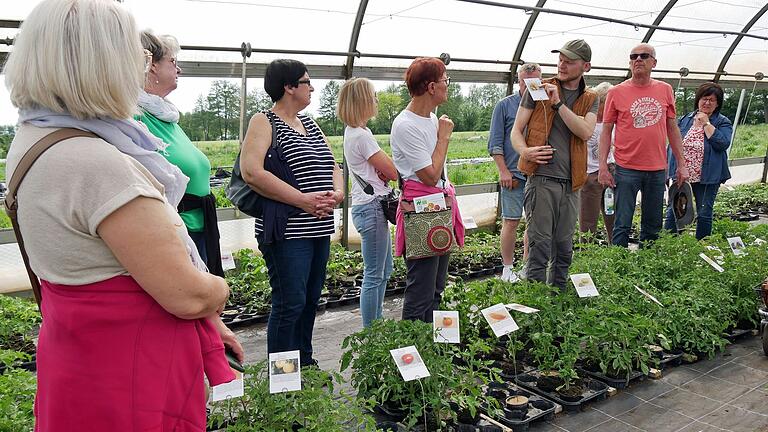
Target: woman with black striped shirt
296	258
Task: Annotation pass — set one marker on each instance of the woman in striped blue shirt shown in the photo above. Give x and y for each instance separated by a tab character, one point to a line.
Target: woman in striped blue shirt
296	258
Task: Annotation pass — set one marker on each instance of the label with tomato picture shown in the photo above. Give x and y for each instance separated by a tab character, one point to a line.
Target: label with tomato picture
499	319
445	326
284	372
409	363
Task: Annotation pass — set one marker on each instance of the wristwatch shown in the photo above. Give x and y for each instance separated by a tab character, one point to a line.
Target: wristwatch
557	106
707	124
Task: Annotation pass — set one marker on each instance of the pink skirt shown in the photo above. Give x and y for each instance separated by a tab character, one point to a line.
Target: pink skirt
110	358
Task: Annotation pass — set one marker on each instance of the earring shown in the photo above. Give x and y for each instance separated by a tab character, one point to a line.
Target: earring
157	81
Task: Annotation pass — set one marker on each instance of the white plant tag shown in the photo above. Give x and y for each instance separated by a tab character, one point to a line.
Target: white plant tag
499	319
469	222
737	245
284	372
584	285
430	203
230	390
522	308
227	261
714	265
647	294
536	89
409	363
445	326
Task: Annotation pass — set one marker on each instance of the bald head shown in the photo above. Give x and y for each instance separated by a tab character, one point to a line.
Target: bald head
644	47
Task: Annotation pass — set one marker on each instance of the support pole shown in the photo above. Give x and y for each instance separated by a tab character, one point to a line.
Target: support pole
736	122
246	52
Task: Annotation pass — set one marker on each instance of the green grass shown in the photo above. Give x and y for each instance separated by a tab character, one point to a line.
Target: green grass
751	141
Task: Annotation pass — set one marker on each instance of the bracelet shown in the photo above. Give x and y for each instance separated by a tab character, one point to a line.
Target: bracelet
557	106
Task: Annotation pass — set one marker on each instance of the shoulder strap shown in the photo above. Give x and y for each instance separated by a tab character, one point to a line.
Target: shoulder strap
11	206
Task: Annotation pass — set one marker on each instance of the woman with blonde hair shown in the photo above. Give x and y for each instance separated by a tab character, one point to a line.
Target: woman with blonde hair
198	206
371	169
130	319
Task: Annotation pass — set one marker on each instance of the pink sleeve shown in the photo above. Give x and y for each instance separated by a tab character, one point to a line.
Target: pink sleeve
215	363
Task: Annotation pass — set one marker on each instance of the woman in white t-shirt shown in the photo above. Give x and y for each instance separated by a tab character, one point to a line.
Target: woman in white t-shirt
419	146
371	171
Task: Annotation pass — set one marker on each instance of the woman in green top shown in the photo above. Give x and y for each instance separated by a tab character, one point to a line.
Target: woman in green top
198	207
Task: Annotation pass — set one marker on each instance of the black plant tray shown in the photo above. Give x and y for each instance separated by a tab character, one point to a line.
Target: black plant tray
595	391
619	383
671	359
244	320
539	408
28	365
734	334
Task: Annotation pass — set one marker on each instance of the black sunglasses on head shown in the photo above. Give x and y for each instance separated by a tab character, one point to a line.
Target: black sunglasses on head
644	56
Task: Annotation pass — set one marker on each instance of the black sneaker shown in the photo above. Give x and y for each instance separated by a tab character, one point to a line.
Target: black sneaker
311	365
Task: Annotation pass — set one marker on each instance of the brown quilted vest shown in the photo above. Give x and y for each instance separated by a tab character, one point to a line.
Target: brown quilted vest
540	125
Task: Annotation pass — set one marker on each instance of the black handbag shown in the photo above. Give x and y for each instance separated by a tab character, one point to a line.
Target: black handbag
243	196
389	202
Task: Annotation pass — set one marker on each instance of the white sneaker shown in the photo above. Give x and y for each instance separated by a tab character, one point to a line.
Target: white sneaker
507	273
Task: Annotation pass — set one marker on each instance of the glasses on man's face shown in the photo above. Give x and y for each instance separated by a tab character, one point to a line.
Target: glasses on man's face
644	56
447	81
306	81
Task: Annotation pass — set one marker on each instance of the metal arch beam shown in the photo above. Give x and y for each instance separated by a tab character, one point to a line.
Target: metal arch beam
721	69
656	22
349	67
521	46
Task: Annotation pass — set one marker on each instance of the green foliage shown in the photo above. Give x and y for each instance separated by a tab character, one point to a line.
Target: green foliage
17	395
316	407
375	375
5	220
19	318
751	197
249	283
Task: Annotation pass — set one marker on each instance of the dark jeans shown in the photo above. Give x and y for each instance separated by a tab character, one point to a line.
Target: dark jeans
297	274
424	286
704	195
199	239
551	208
651	185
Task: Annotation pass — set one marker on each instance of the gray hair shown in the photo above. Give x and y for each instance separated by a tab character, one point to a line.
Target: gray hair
77	56
529	68
160	46
602	89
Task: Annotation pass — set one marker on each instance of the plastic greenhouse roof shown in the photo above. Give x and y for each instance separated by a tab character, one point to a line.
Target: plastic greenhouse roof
483	38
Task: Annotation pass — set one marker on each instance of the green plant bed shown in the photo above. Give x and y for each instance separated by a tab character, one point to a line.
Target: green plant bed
19	319
318	406
17	394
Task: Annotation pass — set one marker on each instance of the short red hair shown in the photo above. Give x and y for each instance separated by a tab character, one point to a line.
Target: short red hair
421	72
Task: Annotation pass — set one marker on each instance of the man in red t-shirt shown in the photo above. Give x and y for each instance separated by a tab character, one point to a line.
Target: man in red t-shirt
643	111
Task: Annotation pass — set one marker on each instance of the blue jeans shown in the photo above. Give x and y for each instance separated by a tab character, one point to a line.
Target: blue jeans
651	185
704	196
297	274
376	245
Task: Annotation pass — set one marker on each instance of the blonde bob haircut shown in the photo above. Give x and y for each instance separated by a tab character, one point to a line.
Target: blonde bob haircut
357	102
83	57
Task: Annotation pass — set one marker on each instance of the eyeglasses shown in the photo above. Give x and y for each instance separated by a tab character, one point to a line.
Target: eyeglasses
644	56
306	81
708	100
447	81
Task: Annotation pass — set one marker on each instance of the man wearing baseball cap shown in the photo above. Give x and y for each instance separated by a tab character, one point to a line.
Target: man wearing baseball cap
550	136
